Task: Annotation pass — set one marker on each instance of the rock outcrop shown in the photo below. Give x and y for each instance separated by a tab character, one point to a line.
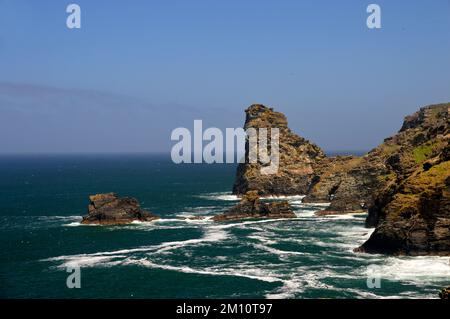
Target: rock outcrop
403	183
345	181
445	293
296	164
251	207
412	212
109	209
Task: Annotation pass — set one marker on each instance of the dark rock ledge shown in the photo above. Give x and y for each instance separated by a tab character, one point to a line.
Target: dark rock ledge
445	293
250	207
109	209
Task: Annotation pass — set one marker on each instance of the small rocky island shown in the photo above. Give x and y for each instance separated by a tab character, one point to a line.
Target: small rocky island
251	207
110	209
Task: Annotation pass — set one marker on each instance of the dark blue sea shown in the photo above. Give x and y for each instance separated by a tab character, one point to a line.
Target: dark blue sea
43	197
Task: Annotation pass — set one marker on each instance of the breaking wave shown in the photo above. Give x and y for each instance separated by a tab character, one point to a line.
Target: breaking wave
299	256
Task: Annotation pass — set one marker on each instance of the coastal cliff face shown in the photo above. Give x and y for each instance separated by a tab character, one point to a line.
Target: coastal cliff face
403	183
109	209
297	158
347	183
412	212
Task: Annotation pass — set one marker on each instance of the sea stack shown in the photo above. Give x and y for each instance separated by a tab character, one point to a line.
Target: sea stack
297	156
251	207
347	182
109	209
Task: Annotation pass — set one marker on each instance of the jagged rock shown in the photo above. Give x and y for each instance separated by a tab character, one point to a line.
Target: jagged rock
297	157
416	217
345	181
411	212
251	207
445	293
403	182
109	209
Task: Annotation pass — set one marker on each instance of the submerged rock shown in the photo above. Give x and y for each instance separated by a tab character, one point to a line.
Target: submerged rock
109	209
327	212
251	207
445	293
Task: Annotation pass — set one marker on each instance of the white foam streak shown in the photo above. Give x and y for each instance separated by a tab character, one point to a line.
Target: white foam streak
278	252
230	197
415	269
186	269
210	235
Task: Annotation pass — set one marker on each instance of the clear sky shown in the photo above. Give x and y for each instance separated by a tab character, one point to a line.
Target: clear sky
138	69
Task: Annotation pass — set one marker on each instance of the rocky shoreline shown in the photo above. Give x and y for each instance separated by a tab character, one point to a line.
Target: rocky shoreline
403	183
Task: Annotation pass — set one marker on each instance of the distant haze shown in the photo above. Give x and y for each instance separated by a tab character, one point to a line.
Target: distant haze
137	70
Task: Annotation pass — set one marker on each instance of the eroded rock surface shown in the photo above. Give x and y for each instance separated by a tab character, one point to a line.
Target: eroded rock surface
251	207
403	183
412	212
297	158
445	293
109	209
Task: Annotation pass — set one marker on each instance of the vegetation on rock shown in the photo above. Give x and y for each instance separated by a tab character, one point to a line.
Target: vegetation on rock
404	182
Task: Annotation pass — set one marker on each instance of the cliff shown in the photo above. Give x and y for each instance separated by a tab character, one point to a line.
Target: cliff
412	212
403	183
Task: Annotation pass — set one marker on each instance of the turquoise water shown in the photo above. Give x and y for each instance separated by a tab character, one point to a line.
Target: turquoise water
42	199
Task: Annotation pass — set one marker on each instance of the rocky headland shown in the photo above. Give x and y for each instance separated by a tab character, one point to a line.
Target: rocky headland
251	207
403	183
411	212
109	209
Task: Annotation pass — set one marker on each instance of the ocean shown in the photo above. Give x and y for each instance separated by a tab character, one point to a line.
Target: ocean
42	199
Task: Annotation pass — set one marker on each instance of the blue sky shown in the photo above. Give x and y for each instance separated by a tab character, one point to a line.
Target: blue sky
164	63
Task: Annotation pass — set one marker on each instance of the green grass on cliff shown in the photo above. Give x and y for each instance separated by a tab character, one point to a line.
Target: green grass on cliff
422	152
427	150
388	149
421	184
